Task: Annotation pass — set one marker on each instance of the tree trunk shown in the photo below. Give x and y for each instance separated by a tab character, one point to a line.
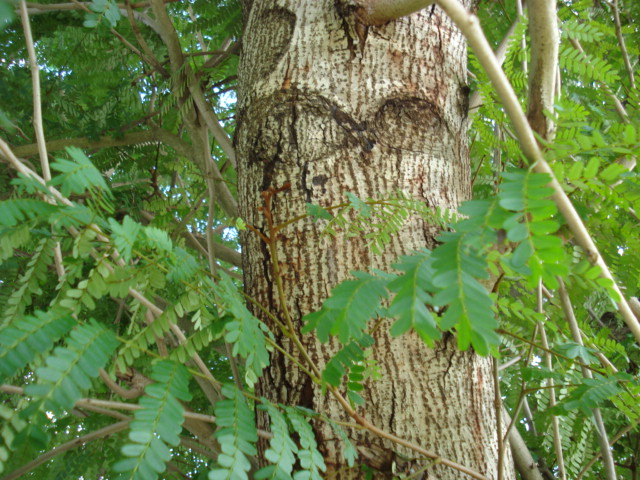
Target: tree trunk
330	107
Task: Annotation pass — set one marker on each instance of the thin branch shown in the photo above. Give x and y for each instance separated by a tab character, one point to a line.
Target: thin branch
94	402
569	315
623	45
37	119
142	42
210	118
470	27
129	394
155	135
557	439
497	401
501	53
522	458
596	457
71	444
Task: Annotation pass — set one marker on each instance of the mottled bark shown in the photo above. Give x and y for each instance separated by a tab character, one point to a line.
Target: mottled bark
330	107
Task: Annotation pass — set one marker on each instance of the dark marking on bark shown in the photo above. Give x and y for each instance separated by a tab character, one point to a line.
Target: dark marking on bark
320	181
306	394
345	15
464	100
266	271
308	192
273	45
406	123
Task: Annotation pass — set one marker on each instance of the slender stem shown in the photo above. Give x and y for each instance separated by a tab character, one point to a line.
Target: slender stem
569	315
548	360
623	45
37	119
497	401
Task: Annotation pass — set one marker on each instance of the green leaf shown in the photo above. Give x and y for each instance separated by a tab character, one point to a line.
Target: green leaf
349	307
246	333
124	236
359	205
157	423
409	304
282	449
237	435
317	212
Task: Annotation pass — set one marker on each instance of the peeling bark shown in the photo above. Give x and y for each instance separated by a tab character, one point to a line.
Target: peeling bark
330	107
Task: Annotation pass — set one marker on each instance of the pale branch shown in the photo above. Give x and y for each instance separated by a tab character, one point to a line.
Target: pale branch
155	135
377	12
131	407
37	118
41	8
470	27
595	458
523	40
35	84
128	394
71	444
576	334
623	45
522	458
212	122
548	361
143	43
501	53
497	403
545	39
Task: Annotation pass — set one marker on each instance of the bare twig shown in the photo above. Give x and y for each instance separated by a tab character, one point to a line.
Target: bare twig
623	45
497	401
548	360
501	52
522	458
37	118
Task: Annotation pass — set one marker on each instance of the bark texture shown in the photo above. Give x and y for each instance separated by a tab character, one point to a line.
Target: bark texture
330	106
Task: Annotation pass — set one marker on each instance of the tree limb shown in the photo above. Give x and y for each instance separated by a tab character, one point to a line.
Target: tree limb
377	12
543	30
155	135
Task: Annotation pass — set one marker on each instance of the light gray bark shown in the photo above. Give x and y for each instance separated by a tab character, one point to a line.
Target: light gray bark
332	107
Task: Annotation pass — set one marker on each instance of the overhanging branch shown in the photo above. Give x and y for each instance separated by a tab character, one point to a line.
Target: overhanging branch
156	135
